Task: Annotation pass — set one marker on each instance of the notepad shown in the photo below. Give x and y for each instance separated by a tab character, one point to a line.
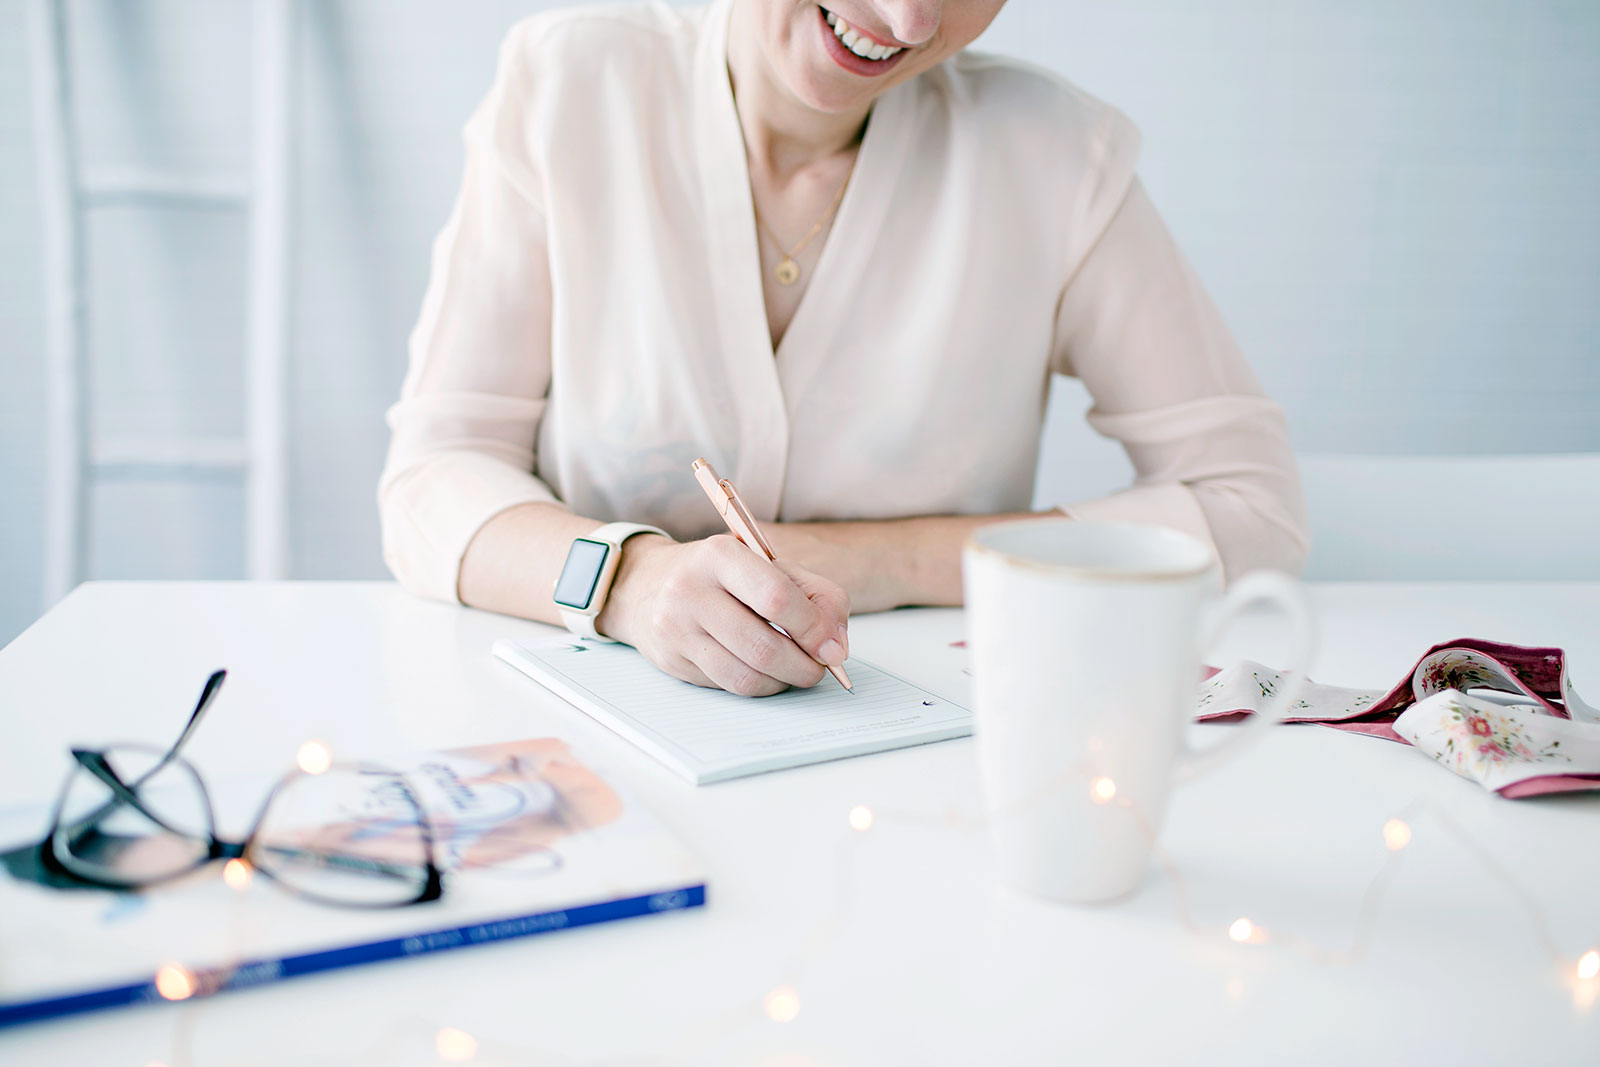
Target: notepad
708	735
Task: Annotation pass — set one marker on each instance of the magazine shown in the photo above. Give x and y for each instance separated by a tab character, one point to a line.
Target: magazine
528	839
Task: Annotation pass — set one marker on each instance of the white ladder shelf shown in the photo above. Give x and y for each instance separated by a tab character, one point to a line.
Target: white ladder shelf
76	458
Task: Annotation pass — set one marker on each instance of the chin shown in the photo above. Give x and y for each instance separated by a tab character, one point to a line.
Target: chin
823	93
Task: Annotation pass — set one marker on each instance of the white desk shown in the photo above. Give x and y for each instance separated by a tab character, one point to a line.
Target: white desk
929	961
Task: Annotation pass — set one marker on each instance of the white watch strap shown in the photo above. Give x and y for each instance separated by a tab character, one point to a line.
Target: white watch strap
583	626
613	534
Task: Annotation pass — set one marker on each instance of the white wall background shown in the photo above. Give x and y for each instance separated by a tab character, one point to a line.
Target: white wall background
1394	202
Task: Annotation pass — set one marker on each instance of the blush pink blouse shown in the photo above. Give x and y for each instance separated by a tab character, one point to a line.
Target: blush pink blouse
594	319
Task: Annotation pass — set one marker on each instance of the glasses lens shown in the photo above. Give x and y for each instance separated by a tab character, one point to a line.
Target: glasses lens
350	835
158	825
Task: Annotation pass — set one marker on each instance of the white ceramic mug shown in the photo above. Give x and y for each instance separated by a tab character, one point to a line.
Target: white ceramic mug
1086	640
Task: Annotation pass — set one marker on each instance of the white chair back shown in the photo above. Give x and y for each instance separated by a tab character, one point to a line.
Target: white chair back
1526	517
1387	517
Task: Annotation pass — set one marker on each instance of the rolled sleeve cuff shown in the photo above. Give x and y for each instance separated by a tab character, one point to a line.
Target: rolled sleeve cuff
432	512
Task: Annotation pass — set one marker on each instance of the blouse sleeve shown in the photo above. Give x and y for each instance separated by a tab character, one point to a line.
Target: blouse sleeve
464	431
1210	451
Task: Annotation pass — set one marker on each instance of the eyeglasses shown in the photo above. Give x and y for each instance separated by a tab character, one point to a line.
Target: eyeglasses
354	834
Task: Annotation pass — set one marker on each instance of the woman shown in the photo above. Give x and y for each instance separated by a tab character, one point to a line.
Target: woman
839	257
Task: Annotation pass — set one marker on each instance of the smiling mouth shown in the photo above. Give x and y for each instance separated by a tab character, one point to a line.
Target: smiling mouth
855	41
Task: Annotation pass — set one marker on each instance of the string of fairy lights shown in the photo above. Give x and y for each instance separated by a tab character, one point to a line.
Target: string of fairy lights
782	1002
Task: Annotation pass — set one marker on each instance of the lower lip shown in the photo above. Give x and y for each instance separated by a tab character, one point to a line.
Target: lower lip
867	68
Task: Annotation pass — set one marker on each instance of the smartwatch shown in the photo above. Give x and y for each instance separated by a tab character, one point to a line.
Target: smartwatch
590	569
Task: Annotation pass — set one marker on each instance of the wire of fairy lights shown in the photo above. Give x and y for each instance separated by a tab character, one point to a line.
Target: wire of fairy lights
782	1002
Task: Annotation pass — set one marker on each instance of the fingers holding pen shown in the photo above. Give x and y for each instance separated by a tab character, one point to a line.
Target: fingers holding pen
814	618
813	614
676	609
756	644
702	611
829	597
707	662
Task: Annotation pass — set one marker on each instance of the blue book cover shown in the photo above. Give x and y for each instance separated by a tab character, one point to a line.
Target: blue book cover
530	839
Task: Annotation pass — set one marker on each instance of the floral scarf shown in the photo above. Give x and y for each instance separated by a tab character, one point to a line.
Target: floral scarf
1504	716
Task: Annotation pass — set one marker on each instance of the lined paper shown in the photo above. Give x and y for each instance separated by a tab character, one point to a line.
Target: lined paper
707	734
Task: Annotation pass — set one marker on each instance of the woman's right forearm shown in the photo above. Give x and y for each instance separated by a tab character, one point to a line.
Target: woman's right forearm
512	563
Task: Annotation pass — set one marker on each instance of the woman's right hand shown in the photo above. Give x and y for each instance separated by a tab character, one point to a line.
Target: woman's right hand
700	610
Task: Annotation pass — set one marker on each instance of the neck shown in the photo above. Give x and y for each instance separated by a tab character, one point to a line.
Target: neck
782	134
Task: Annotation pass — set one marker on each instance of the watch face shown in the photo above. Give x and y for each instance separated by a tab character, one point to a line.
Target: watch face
575	587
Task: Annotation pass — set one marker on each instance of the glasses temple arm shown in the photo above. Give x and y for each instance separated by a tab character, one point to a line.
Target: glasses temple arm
212	687
95	763
207	695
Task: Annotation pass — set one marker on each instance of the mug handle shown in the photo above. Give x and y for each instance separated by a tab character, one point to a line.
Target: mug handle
1258	587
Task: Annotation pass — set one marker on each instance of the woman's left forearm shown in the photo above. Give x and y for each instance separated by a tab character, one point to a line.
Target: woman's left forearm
889	563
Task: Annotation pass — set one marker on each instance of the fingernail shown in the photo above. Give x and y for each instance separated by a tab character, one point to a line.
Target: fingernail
844	639
831	652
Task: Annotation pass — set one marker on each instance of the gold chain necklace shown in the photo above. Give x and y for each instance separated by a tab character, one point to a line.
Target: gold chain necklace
788	271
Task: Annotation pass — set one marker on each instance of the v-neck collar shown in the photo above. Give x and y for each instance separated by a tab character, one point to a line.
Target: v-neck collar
767	382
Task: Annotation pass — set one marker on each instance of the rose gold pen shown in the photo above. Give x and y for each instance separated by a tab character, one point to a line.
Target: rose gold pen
742	524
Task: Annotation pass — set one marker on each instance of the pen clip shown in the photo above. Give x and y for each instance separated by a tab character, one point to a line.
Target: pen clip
725	498
746	520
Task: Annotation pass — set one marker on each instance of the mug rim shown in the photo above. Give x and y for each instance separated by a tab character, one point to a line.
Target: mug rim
1079	571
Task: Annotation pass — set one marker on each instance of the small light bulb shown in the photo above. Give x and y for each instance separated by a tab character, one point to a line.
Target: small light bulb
1589	964
1584	994
1102	790
782	1004
236	873
174	983
1241	930
313	757
861	818
456	1046
1396	835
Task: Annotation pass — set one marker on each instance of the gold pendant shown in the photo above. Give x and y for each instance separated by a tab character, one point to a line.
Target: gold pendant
787	271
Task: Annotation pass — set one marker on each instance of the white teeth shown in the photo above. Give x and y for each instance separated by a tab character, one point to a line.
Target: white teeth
864	47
